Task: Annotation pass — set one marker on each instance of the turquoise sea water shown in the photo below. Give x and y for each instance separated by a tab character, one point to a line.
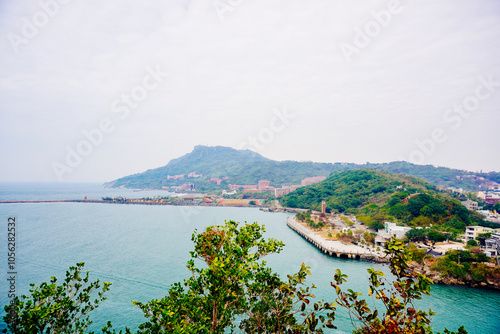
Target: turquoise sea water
143	250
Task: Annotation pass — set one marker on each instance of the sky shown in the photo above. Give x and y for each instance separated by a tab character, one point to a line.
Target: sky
91	91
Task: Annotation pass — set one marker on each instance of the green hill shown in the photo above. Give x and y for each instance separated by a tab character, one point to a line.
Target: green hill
248	167
378	196
354	189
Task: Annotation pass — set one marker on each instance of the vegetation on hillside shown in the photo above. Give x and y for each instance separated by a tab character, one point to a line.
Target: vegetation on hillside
469	266
377	196
350	190
248	167
235	289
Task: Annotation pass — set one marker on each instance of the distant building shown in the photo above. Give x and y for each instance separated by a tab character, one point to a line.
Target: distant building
263	185
471	205
215	180
492	245
312	180
393	230
193	174
281	191
471	232
492	198
187	186
323	207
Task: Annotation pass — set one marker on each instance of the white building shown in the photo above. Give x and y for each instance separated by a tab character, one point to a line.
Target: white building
471	232
393	230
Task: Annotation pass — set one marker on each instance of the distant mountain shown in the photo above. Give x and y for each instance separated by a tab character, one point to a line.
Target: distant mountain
248	167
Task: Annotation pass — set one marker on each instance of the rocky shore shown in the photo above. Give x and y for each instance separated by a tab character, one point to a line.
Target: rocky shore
438	277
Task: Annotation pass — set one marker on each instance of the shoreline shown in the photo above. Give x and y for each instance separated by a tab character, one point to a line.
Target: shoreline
137	202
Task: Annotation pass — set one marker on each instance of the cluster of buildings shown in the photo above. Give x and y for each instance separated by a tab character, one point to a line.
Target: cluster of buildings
255	188
261	186
217	180
489	197
491	245
265	186
305	182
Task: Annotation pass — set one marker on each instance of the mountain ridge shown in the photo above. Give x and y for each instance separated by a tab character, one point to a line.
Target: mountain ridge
249	167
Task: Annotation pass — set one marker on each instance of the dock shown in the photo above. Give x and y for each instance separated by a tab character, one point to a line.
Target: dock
334	248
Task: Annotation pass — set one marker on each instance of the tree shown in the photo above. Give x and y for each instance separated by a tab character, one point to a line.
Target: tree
435	236
472	243
417	234
401	315
56	308
234	283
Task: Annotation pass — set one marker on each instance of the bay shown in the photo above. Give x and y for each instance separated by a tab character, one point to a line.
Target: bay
144	249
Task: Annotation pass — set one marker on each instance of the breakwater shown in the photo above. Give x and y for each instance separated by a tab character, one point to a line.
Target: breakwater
128	201
334	248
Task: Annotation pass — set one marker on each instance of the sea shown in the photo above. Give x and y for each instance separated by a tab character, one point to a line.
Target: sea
143	250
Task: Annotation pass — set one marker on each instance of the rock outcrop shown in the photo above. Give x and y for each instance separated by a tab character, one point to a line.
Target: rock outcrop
438	277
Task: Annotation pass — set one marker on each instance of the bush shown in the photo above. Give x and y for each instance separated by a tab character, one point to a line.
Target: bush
472	243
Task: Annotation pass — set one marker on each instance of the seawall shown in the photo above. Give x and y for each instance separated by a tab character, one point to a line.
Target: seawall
334	248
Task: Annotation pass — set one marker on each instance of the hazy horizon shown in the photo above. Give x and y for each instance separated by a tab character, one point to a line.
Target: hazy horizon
94	91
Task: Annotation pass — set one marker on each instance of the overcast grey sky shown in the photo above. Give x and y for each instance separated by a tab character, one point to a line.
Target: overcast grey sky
85	95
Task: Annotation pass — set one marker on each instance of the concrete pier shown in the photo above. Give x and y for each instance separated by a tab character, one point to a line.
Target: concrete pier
334	248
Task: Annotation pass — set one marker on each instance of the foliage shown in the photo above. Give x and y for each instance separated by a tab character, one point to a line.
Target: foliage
234	284
472	243
303	216
351	190
56	308
234	289
401	315
465	265
418	255
379	197
460	330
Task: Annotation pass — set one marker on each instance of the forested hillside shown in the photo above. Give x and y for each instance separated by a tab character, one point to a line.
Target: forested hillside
377	196
248	167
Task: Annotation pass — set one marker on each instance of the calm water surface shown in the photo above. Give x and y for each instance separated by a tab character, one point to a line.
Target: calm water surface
144	249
